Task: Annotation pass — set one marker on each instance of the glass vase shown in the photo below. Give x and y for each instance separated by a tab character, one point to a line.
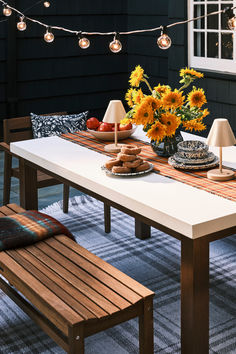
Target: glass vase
168	146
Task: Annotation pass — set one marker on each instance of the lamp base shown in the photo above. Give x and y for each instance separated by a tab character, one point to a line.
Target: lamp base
113	147
216	175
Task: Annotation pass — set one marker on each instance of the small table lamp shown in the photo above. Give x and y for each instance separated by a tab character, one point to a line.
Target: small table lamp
221	135
114	114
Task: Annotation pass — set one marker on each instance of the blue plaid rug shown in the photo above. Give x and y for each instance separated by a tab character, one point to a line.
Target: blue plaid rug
155	263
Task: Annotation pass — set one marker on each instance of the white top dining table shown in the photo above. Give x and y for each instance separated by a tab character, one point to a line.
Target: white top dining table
194	216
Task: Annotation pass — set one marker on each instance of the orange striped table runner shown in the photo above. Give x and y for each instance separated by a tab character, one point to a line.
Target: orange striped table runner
196	179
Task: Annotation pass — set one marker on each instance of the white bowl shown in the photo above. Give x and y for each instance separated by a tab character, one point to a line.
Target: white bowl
110	136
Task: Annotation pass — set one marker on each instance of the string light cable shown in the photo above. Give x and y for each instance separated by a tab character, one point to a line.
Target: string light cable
164	41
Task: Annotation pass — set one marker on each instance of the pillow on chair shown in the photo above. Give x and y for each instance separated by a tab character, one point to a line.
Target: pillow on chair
44	126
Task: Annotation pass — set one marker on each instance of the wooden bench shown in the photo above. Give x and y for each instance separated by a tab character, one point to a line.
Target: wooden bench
72	293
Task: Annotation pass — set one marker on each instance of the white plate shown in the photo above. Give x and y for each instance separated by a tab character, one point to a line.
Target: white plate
205	166
179	159
110	136
108	172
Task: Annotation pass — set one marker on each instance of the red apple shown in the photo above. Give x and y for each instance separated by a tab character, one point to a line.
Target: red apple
105	127
92	123
118	127
127	126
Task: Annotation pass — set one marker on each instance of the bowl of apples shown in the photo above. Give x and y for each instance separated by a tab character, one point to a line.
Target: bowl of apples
106	131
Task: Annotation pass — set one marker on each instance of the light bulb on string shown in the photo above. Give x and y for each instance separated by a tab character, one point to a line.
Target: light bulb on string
21	25
48	36
115	46
7	11
46	4
164	41
231	18
84	42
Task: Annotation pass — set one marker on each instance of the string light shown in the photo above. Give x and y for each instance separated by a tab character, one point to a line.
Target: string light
7	11
231	18
84	42
49	36
21	25
115	46
46	4
164	41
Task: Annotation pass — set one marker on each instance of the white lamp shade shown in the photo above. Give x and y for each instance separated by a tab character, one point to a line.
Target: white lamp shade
115	112
221	134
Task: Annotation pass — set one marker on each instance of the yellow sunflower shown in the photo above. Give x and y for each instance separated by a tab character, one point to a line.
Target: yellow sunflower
197	98
162	89
126	121
205	113
154	103
157	131
129	96
191	72
144	115
173	99
171	122
136	76
138	96
194	124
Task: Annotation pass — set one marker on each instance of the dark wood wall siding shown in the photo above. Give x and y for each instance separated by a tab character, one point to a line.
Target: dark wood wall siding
40	77
61	76
220	88
143	48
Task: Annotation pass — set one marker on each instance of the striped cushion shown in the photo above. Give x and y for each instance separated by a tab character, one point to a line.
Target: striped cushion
19	230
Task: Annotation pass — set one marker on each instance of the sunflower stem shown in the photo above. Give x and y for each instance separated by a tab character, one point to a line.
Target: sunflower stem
184	86
147	83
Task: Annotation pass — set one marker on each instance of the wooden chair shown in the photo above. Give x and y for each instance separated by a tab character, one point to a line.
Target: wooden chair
16	129
72	293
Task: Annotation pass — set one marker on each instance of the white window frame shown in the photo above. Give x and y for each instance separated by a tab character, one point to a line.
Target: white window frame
204	63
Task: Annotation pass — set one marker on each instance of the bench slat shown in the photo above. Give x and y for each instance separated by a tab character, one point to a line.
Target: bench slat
79	278
123	278
10	209
55	284
15	208
7	211
92	269
97	304
46	301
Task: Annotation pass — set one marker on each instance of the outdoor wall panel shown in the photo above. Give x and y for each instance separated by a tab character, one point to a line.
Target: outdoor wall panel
93	102
69	67
62	76
74	85
149	42
2	72
143	48
148	7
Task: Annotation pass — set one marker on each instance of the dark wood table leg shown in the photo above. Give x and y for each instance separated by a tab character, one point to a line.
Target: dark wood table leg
28	186
107	218
194	296
142	230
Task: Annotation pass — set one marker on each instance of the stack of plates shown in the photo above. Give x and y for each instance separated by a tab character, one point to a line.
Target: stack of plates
193	155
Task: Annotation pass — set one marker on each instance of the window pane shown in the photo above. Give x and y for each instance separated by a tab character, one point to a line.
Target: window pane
212	21
227	46
199	11
224	17
199	44
212	45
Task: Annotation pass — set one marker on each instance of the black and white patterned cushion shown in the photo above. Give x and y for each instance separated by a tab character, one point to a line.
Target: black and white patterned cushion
44	126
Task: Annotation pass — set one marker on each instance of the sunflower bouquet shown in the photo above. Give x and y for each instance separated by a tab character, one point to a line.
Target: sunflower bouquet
165	109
